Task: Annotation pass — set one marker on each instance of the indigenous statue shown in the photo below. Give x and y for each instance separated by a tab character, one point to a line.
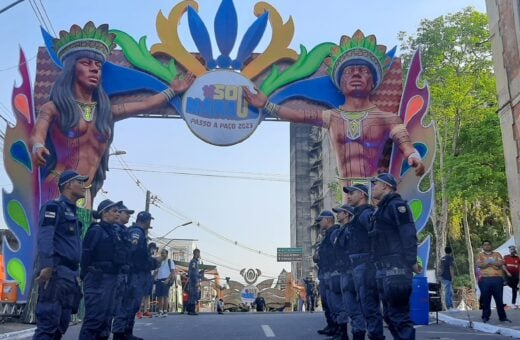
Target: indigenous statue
75	128
358	129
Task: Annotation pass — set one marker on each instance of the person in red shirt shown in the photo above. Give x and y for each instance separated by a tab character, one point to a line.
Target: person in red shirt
512	264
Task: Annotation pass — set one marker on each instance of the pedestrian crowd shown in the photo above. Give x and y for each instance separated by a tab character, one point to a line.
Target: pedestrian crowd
111	268
367	257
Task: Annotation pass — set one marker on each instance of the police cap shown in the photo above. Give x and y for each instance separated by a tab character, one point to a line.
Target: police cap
69	175
386	178
324	214
356	187
344	208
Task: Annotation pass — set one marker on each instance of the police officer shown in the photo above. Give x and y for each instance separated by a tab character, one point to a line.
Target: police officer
194	277
348	297
122	279
323	257
363	270
59	252
310	288
394	248
101	261
141	263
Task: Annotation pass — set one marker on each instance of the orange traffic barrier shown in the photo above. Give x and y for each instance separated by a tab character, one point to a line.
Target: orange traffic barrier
9	291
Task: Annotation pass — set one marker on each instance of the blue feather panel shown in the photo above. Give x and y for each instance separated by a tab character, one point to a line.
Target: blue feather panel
226	26
250	40
200	36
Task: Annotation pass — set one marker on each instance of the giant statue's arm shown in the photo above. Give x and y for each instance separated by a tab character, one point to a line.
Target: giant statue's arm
401	138
126	110
314	117
177	86
48	113
260	101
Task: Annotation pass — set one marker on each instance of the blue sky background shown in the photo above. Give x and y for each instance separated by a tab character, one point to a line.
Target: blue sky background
253	212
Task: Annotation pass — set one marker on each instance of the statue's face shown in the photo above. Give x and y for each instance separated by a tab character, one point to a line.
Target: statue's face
88	73
356	80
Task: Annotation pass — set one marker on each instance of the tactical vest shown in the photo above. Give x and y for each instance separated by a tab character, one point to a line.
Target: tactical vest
386	240
358	241
139	258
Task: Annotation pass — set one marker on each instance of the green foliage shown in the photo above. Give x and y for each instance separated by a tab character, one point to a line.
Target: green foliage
139	56
306	65
460	281
458	68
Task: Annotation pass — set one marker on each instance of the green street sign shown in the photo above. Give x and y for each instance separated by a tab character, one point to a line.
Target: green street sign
289	254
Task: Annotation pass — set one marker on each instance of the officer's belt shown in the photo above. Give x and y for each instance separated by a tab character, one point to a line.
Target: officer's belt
62	261
106	267
389	261
357	259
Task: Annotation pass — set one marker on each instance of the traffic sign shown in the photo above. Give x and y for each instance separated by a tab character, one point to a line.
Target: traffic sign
289	254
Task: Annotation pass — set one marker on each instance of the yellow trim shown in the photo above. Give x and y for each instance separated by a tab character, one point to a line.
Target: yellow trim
170	42
278	47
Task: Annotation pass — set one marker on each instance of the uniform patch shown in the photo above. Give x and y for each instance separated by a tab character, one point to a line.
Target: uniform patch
135	242
50	215
404	215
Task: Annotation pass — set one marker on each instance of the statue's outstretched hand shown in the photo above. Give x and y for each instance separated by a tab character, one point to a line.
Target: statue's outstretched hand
418	165
39	155
180	85
257	99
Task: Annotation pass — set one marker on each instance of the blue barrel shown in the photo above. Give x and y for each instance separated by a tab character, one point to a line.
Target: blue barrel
419	304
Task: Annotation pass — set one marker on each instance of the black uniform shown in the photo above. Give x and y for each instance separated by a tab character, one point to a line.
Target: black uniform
141	263
104	255
59	248
394	248
325	268
363	270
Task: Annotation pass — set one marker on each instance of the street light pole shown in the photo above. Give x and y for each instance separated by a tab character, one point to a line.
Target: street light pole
168	233
117	153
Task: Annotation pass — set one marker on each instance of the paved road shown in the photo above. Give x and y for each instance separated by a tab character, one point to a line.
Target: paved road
249	326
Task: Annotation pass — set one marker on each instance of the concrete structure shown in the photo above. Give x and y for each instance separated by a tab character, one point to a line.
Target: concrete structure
504	26
178	249
313	175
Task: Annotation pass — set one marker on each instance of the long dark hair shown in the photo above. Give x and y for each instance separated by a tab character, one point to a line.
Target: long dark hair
62	95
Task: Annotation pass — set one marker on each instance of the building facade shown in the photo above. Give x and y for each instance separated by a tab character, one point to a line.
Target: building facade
313	176
504	26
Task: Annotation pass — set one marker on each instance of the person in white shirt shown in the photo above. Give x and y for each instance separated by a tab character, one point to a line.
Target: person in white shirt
164	279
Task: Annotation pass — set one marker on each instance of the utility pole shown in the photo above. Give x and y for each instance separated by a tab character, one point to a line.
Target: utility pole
147	204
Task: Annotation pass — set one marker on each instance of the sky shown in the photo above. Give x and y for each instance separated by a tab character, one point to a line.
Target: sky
237	196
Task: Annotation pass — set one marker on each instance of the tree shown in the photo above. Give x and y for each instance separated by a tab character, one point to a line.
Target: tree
469	171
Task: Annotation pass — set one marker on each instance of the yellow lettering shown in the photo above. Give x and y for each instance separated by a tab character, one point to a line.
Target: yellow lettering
219	92
231	92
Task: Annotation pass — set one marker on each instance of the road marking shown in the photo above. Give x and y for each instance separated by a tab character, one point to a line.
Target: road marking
268	331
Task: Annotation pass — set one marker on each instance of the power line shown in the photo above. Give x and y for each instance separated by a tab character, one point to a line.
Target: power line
177	214
256	178
158	202
48	19
18	65
10	6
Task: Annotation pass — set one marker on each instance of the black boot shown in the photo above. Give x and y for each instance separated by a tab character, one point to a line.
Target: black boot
332	330
119	336
324	330
358	336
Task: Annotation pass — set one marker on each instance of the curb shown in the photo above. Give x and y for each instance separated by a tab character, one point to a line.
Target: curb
18	334
480	326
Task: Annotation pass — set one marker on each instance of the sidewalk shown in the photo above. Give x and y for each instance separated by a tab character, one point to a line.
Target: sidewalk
473	319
